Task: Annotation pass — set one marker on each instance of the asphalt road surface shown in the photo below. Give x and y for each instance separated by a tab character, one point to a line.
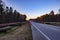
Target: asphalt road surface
44	31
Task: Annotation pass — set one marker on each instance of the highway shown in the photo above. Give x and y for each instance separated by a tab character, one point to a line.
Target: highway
44	31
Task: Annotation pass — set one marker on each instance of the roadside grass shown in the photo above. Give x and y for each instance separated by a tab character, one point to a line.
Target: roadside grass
13	28
22	32
27	33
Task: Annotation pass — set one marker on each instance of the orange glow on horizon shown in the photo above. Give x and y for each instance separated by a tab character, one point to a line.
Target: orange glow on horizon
30	18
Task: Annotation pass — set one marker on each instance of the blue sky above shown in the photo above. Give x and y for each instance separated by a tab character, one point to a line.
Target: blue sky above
34	8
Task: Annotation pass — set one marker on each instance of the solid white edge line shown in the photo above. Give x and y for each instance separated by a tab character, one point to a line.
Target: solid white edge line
42	32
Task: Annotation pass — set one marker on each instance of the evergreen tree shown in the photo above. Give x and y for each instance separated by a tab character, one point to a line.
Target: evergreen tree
1	7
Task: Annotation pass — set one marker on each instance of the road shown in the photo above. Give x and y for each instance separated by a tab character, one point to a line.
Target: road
44	31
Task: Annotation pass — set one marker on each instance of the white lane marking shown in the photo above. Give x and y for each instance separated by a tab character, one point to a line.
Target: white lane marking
42	32
52	27
56	28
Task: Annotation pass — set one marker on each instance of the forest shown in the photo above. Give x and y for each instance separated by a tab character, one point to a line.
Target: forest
8	15
50	17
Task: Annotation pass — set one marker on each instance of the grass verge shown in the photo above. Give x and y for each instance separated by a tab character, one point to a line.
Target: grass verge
21	33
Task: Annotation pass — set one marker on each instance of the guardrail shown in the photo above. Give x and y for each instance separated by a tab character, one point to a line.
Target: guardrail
5	27
7	24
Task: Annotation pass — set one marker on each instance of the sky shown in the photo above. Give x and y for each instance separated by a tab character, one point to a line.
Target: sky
33	8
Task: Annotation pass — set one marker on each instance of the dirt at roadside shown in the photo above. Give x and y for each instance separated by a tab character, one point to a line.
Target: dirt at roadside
22	33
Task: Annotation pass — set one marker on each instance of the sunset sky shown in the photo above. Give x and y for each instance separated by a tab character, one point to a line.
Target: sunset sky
34	8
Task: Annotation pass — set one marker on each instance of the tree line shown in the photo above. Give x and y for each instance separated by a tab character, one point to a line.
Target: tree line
7	14
50	17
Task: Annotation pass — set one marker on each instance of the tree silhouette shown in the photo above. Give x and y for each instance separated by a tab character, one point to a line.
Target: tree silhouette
51	13
1	7
51	17
1	11
9	15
